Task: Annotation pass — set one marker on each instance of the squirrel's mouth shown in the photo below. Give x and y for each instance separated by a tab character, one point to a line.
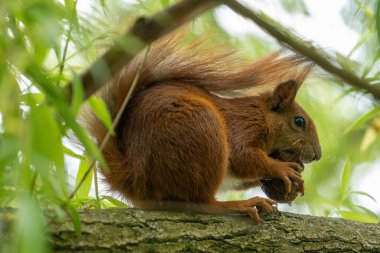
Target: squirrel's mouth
288	156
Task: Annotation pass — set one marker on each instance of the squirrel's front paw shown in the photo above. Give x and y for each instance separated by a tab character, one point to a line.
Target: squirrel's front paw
287	172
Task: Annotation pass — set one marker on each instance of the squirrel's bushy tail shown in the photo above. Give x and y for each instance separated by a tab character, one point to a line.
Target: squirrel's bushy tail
200	64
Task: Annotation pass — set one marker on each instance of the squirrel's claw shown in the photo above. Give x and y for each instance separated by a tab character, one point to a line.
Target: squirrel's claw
250	206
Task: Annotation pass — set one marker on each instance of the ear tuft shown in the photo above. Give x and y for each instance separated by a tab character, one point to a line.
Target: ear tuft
283	96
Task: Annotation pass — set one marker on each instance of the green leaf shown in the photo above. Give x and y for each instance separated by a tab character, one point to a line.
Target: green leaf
71	153
85	188
57	98
357	216
345	63
81	202
378	21
165	3
369	67
103	3
40	53
368	212
78	94
346	179
367	11
30	228
115	202
370	137
95	203
364	194
295	6
362	120
101	111
46	150
70	5
87	202
363	39
38	98
75	218
106	204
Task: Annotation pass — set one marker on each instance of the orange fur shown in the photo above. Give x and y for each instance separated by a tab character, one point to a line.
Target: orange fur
177	140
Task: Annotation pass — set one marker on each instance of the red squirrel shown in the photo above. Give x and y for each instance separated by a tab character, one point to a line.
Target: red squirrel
184	135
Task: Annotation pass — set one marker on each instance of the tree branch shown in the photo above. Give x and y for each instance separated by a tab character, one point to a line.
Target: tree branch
143	32
133	230
297	44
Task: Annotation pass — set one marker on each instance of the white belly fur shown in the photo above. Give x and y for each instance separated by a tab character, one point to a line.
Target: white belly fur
229	183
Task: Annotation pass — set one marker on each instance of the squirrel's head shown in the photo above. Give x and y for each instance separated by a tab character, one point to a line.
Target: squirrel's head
294	134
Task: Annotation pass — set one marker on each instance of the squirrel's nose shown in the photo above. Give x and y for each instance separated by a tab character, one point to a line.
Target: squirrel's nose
317	154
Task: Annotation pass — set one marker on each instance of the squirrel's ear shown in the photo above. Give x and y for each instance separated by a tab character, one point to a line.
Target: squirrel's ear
283	96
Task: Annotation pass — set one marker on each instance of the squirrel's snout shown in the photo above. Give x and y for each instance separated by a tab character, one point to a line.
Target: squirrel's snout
317	152
311	153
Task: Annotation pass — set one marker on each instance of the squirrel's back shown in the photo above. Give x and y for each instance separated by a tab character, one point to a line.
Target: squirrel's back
200	64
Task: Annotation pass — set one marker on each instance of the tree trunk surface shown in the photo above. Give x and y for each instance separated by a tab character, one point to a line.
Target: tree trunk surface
124	230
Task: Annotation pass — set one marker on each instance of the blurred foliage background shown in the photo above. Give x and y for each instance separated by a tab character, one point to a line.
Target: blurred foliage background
46	43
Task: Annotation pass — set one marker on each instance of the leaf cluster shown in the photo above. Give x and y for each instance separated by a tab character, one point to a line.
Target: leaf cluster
44	44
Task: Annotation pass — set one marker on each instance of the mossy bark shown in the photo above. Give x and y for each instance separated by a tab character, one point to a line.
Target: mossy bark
125	230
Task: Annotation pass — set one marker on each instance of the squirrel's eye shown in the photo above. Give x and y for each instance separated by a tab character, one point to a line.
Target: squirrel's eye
300	122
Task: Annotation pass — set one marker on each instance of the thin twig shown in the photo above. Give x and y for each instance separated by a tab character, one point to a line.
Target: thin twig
96	183
297	44
114	123
71	27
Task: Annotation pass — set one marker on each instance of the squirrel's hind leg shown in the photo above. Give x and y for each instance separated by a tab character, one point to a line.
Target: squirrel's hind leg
250	206
176	145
